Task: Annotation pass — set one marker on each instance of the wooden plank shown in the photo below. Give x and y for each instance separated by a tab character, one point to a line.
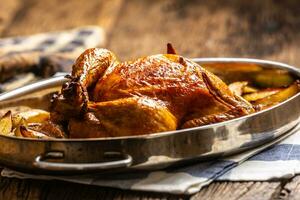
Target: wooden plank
239	190
261	29
37	189
291	190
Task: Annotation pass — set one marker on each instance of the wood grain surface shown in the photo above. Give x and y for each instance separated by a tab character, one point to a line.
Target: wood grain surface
268	29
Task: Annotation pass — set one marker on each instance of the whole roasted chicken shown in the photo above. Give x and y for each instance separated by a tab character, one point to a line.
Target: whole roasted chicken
164	92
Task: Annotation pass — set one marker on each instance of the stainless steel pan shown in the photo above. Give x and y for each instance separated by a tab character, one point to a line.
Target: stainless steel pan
153	151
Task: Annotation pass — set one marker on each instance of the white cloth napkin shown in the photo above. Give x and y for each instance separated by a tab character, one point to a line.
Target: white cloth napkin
282	160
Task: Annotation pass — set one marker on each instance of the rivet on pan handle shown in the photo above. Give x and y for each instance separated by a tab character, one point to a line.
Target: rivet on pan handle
42	163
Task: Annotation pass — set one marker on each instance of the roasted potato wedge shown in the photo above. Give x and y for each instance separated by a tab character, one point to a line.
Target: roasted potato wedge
278	97
25	132
232	68
18	120
237	87
233	72
17	125
33	116
48	128
33	123
6	125
273	78
248	89
260	94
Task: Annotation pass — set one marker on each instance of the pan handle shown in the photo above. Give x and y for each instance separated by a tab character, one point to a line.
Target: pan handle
40	162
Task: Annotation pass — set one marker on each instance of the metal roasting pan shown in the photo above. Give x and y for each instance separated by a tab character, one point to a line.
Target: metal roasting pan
147	152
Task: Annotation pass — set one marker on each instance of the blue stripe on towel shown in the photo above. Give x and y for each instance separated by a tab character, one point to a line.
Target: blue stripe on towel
206	169
279	152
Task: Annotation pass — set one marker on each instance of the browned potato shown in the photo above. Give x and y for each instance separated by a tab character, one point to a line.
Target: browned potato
248	89
233	72
261	94
237	87
18	124
25	132
273	78
232	67
6	124
48	128
33	116
18	120
278	97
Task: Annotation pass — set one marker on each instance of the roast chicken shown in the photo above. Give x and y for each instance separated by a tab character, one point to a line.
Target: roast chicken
107	98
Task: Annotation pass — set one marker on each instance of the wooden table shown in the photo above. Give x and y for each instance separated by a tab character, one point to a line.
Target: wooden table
258	29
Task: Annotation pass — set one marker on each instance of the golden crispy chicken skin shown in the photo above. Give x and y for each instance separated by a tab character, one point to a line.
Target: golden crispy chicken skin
105	98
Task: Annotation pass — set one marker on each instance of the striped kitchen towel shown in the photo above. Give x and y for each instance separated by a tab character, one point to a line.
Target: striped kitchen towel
26	59
77	39
275	160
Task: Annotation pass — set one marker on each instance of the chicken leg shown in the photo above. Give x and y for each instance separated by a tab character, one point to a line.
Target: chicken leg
127	116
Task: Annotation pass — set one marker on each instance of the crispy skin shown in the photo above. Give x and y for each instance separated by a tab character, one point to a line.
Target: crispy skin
151	94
